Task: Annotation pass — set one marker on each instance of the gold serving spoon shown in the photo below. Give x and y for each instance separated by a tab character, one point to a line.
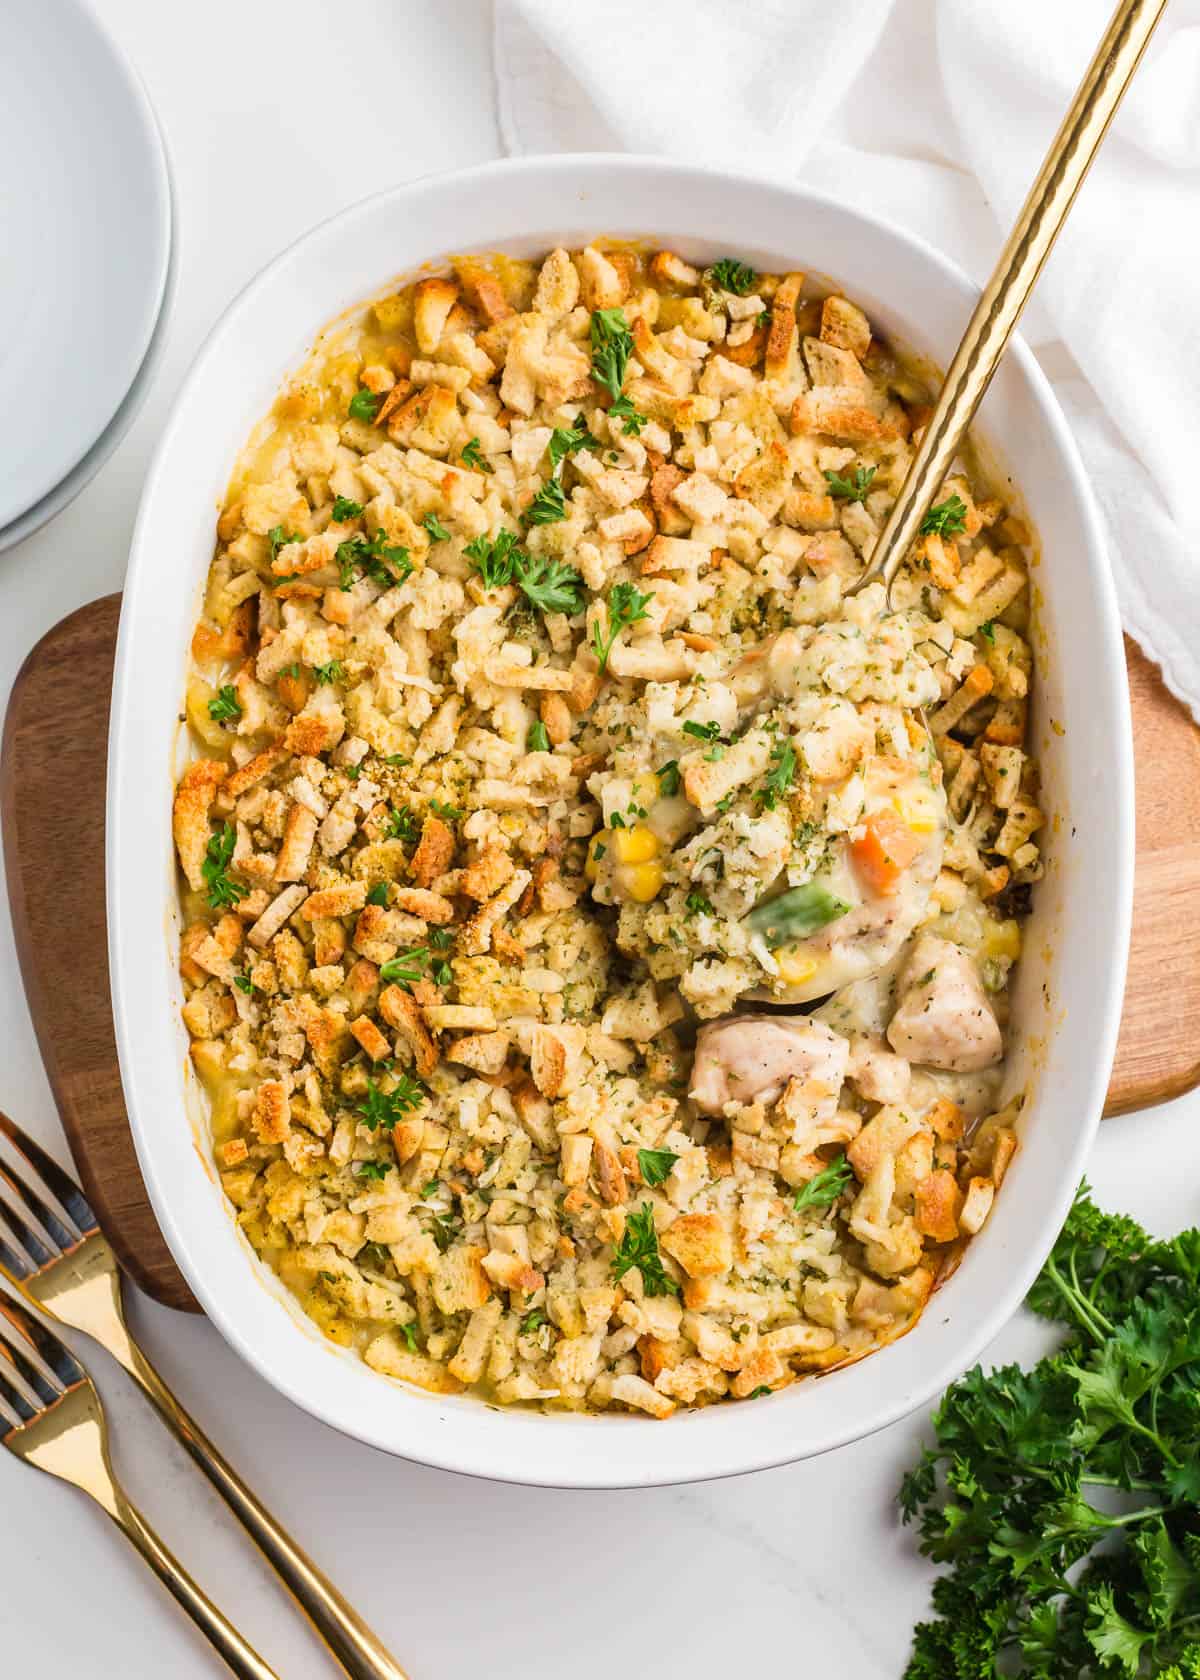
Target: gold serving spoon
1013	279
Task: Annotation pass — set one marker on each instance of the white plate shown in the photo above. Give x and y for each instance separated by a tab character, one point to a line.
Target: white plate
85	227
82	473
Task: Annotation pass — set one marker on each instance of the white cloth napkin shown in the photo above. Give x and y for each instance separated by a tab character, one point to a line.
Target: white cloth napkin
937	113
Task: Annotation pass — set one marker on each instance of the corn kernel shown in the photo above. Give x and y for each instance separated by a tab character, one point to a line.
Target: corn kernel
641	881
1002	939
634	845
796	967
918	813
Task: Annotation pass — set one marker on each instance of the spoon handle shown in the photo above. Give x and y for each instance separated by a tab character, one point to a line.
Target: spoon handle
1003	298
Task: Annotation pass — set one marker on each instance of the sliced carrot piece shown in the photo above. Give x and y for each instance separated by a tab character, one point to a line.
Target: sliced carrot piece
886	849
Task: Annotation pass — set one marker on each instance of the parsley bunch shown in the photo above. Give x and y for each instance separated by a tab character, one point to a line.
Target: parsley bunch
1066	1499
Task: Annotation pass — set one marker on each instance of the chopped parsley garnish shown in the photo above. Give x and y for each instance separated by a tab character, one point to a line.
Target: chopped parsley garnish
243	983
429	1188
703	731
851	489
533	1321
638	1248
626	605
279	538
757	1393
947	519
549	585
333	672
698	905
441	973
669	779
536	738
365	405
397	759
549	506
987	631
387	564
472	456
372	1169
612	346
378	894
826	1187
448	813
411	1337
795	914
779	777
225	705
732	276
441	938
493	558
386	1108
445	1229
546	584
655	1165
624	410
406	968
401	825
344	508
437	531
565	441
223	891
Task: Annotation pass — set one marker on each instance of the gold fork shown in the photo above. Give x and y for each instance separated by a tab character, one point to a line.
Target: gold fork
53	1251
51	1417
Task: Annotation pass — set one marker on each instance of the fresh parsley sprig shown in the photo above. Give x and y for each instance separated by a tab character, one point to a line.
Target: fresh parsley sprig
638	1248
473	457
565	440
223	891
344	507
825	1188
547	584
387	564
779	777
279	538
947	519
626	605
1050	1572
437	531
385	1109
365	405
655	1165
852	488
549	506
225	705
732	276
536	737
612	346
406	968
332	672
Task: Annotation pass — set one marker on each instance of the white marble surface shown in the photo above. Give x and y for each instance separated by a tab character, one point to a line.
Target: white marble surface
278	113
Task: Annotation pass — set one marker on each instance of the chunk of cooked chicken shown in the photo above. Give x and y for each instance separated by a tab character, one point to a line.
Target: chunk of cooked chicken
750	1058
944	1019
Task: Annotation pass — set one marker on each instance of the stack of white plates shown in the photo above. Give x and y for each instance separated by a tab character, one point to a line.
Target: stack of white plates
86	272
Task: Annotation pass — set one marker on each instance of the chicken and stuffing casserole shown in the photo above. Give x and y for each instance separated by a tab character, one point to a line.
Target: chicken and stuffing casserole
598	920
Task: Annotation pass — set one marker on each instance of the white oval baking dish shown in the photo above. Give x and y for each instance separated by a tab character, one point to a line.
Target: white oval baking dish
1068	998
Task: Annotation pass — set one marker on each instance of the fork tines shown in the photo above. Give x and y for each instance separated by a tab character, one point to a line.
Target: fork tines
43	1213
36	1369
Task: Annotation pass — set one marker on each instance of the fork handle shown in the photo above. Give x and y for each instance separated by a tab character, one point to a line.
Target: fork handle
221	1634
357	1649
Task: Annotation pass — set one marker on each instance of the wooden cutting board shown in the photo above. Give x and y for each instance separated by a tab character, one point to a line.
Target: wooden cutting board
52	810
